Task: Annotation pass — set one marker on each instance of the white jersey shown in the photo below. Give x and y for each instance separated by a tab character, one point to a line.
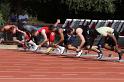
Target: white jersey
105	30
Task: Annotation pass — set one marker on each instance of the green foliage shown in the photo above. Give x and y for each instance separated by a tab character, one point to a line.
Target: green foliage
5	10
106	6
40	1
1	19
43	8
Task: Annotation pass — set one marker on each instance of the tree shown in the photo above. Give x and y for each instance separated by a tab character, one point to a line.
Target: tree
91	5
5	9
63	8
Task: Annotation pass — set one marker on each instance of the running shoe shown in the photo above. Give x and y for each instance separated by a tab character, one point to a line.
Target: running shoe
79	53
120	55
38	49
100	56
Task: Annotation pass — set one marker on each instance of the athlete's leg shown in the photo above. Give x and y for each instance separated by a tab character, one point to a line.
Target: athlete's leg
70	47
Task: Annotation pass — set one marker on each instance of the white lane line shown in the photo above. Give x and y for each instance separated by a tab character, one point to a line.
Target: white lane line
57	67
40	69
8	69
59	72
69	74
44	60
39	75
6	76
64	78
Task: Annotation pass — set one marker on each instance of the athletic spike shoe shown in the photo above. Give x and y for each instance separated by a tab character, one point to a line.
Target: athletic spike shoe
100	56
120	55
79	53
38	48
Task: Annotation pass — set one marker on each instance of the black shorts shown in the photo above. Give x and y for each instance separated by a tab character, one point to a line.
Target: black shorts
110	41
89	42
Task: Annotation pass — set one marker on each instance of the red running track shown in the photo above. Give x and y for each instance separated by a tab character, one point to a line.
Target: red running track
16	66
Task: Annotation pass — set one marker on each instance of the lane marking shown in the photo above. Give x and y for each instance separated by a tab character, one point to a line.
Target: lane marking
64	78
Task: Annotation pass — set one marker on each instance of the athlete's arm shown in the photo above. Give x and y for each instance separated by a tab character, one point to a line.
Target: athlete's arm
45	37
21	32
1	29
61	36
57	22
79	32
17	41
1	38
113	37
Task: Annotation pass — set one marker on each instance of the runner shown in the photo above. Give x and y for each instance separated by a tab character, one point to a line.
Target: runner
16	33
87	40
59	33
89	44
32	39
59	44
111	34
68	40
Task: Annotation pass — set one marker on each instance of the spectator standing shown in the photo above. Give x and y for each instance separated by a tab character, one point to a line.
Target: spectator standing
22	19
13	18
